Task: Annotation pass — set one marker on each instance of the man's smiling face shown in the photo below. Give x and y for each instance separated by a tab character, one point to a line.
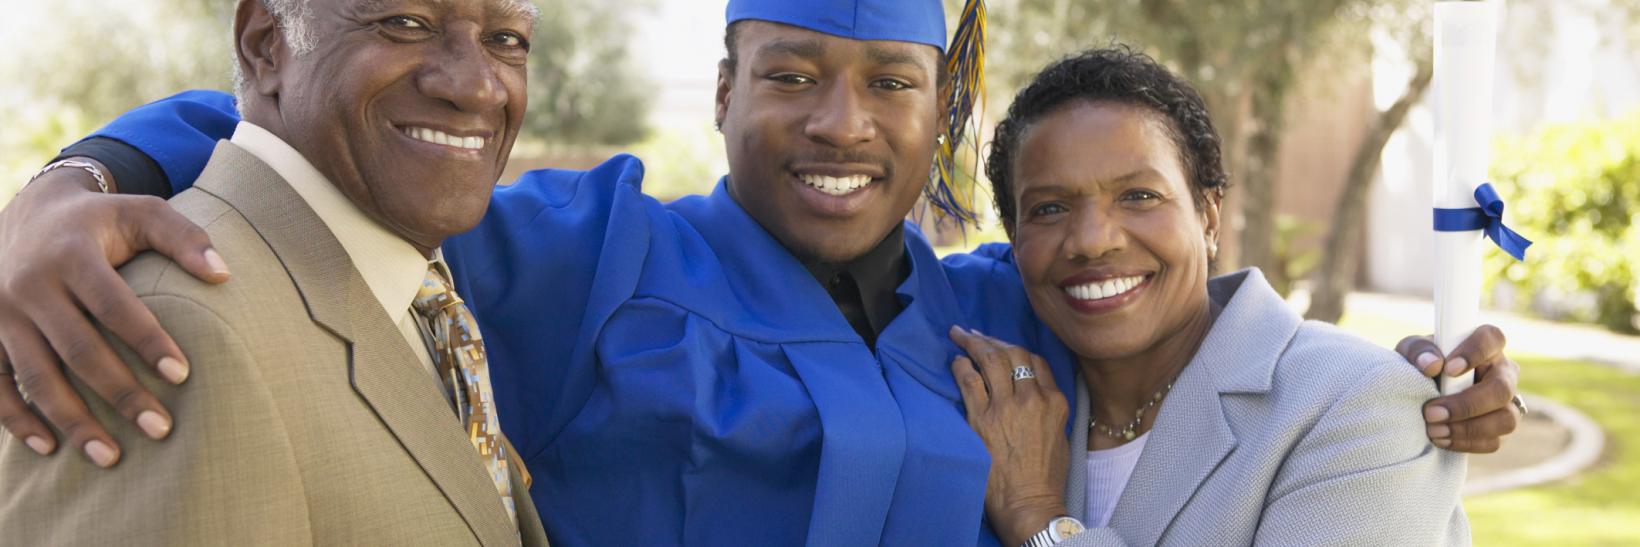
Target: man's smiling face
830	140
410	107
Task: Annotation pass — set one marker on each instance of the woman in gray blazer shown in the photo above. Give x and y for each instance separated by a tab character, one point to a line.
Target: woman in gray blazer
1206	411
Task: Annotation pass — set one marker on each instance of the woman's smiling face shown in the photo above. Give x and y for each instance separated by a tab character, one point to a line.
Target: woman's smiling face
1111	238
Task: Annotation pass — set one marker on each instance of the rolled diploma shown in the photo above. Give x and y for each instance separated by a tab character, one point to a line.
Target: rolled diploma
1465	50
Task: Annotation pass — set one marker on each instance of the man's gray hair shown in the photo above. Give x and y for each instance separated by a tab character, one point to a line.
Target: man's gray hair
295	19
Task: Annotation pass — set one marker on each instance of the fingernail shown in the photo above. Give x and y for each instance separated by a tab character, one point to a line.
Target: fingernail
1439	432
153	424
1436	414
215	261
101	454
39	444
1456	365
173	370
1443	443
1425	359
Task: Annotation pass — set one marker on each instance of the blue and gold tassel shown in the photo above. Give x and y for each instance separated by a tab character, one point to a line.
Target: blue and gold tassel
965	63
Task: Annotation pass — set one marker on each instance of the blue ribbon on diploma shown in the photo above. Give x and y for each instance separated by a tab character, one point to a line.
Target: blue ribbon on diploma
1488	217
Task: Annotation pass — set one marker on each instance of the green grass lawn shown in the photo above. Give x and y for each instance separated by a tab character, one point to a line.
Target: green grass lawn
1599	507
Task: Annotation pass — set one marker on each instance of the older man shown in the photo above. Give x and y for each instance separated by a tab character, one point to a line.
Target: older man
766	365
347	398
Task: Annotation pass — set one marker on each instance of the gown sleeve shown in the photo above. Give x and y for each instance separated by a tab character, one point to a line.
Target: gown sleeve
178	133
555	254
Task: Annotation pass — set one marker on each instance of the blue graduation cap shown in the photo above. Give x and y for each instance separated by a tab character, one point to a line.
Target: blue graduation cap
915	21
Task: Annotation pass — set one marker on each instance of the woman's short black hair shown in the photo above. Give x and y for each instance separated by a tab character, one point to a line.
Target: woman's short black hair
1119	75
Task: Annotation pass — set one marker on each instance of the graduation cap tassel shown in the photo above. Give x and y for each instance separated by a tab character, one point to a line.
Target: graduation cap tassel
965	64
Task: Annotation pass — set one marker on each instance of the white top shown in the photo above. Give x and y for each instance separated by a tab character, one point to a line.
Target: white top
391	266
1108	473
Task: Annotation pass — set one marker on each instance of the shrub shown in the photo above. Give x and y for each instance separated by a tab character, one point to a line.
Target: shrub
1574	189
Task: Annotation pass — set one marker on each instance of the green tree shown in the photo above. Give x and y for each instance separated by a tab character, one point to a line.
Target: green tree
584	89
1245	57
65	79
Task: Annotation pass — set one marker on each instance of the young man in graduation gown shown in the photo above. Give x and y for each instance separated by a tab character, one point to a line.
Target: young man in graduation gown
764	365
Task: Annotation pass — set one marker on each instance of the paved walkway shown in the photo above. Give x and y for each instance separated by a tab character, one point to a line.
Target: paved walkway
1526	334
1556	441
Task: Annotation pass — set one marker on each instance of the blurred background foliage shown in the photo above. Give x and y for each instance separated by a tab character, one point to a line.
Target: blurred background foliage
591	96
1268	69
1583	180
59	85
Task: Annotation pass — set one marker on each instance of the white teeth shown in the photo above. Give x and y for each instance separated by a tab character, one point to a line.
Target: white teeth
439	137
1101	290
836	186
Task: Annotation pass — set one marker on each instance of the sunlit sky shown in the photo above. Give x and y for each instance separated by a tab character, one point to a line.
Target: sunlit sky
679	45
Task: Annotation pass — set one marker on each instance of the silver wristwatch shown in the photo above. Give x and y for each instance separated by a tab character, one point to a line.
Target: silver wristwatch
1059	529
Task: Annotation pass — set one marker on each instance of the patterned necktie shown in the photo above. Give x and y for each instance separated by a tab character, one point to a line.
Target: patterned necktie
458	353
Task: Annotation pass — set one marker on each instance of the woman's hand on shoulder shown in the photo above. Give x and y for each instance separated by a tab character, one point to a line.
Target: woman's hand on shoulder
1020	414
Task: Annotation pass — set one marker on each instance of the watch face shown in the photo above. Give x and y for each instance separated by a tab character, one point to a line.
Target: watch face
1066	527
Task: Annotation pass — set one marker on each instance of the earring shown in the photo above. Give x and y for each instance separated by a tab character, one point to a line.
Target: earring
939	139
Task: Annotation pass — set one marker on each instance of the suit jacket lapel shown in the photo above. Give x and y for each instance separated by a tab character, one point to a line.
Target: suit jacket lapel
530	528
1189	440
1192	435
1076	481
383	369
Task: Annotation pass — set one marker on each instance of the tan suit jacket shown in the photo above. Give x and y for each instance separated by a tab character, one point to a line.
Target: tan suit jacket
307	418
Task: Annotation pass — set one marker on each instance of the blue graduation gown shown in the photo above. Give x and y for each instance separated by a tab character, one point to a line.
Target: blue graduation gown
672	375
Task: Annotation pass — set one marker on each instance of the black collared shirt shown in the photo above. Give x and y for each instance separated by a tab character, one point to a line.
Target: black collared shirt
864	289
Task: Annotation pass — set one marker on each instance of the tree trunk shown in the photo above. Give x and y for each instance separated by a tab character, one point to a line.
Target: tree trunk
1339	259
1258	173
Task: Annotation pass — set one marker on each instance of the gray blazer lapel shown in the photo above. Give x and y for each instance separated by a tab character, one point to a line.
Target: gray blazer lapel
1190	438
1076	481
384	371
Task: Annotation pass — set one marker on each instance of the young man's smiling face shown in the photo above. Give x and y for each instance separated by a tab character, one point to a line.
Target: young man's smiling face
410	107
830	140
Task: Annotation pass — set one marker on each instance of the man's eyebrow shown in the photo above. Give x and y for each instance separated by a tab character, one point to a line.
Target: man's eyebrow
884	56
807	49
510	8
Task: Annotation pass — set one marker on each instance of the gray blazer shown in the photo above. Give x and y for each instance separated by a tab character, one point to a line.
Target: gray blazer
1282	432
307	420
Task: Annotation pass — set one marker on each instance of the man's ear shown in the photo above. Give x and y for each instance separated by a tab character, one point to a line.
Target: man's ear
260	46
725	84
